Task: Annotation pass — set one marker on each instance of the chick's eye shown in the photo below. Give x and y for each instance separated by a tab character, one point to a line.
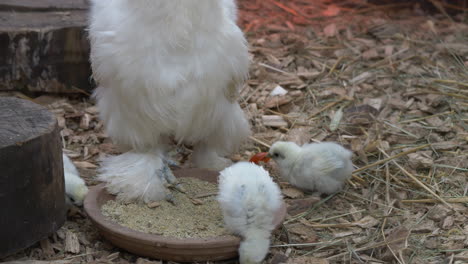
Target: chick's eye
276	155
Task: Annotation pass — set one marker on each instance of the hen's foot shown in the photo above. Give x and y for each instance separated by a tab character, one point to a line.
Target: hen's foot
166	175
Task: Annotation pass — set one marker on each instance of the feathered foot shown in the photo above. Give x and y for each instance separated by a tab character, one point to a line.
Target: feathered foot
134	176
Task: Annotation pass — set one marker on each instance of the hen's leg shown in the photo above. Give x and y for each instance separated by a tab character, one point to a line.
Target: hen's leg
205	156
169	177
229	133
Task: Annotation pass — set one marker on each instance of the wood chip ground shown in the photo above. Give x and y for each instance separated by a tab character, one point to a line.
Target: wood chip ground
384	81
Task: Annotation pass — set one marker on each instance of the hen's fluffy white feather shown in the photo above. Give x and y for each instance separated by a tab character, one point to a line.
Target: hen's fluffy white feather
249	198
167	69
322	167
75	187
133	176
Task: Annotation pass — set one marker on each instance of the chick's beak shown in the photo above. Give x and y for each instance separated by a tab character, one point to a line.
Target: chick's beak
262	156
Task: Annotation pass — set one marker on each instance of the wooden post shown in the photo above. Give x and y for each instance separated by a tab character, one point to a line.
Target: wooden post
32	197
44	46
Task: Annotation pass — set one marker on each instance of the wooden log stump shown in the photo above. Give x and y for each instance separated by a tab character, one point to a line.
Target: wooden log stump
32	196
43	46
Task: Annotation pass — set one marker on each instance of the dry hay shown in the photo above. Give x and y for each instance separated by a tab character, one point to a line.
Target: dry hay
384	81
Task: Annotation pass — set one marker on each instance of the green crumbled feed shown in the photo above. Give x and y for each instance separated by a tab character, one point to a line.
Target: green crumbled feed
185	219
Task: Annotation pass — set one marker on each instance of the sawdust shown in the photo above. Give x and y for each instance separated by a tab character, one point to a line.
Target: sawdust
186	219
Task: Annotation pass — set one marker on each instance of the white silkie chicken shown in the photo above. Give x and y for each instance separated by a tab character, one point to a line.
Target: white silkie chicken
166	69
75	187
320	167
249	198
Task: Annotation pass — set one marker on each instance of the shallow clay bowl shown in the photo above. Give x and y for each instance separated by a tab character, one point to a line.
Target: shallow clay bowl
160	247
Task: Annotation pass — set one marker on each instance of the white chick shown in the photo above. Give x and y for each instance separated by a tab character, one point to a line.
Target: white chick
249	198
75	187
166	69
321	167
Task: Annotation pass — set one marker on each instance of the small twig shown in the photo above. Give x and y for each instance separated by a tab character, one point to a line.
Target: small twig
295	121
286	232
419	92
391	158
343	225
376	245
330	105
82	255
203	195
450	167
246	99
280	114
369	201
451	82
401	129
306	213
81	91
285	8
359	179
302	244
456	7
274	69
332	69
382	230
337	216
451	258
418	181
441	8
196	201
386	59
463	199
387	185
324	246
459	96
425	117
23	96
260	142
381	7
350	182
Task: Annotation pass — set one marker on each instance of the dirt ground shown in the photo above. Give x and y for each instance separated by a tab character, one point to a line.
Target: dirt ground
383	80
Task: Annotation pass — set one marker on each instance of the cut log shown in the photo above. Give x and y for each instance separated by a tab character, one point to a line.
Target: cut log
32	196
43	46
42	5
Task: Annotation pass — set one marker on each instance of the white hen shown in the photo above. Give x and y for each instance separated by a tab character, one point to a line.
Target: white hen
166	69
249	199
75	187
321	167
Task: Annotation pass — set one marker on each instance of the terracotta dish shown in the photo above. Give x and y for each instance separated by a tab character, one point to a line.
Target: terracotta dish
160	247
